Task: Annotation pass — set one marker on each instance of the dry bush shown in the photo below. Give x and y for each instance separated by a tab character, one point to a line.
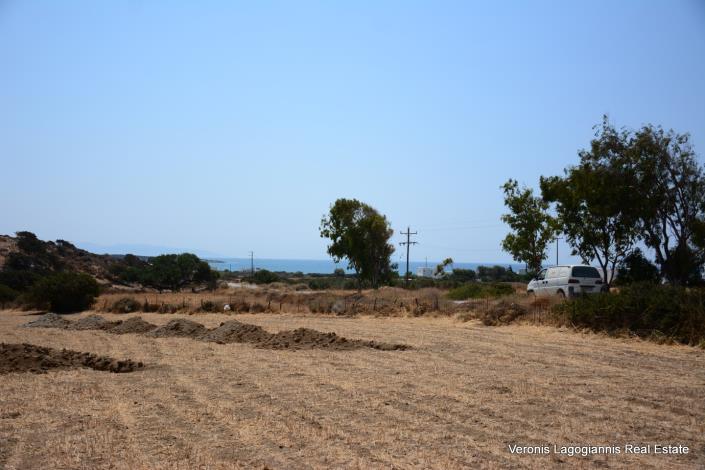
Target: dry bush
465	316
386	301
210	306
125	305
503	312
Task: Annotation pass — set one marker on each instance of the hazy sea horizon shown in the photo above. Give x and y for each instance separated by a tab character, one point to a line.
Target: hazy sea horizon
309	266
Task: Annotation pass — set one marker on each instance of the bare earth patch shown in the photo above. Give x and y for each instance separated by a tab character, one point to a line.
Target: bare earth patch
457	399
37	359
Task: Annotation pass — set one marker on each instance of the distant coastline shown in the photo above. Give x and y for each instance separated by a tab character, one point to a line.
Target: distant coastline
308	266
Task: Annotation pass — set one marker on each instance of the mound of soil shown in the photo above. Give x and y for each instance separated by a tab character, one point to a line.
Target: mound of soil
306	338
235	332
231	331
179	327
37	359
301	338
49	320
133	325
92	322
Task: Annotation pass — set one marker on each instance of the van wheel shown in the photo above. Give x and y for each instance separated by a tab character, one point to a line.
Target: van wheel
561	294
531	294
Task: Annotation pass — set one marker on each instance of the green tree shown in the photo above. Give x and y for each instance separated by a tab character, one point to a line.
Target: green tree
172	272
359	234
441	268
205	274
671	187
29	243
596	201
532	226
65	292
636	268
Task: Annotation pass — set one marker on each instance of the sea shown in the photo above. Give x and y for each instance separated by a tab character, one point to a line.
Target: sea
311	266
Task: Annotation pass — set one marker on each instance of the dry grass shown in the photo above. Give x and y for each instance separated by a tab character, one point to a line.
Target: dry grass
456	401
275	299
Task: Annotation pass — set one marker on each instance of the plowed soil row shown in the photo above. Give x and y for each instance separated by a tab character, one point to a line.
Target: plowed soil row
231	331
37	359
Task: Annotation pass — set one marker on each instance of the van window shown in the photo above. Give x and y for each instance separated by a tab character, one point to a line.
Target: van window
541	276
552	273
586	271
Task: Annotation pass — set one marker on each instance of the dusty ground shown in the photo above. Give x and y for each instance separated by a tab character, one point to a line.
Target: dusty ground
457	400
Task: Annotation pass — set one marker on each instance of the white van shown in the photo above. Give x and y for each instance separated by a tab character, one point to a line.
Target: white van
566	281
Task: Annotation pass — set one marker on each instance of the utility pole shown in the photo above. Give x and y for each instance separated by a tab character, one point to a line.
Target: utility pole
557	238
408	243
252	263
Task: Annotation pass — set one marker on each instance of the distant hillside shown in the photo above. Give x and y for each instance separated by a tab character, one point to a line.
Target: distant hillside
26	252
24	259
144	250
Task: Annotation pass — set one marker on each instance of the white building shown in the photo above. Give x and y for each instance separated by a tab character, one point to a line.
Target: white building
424	272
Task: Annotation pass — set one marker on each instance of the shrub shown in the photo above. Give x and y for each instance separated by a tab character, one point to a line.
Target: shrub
125	305
147	307
168	308
463	275
7	294
503	313
476	290
497	274
264	276
17	279
65	292
29	243
324	283
648	310
209	306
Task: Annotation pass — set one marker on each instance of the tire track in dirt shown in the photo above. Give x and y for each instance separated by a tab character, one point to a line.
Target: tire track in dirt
354	405
168	402
272	398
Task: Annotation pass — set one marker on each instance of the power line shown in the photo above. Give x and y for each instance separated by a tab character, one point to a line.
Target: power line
450	248
408	244
462	227
447	222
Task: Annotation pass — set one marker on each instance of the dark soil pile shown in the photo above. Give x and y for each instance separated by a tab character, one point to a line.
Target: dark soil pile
133	325
306	338
179	327
302	338
49	320
37	359
92	322
231	331
234	331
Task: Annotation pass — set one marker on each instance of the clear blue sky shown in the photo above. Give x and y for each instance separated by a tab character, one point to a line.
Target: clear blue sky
230	127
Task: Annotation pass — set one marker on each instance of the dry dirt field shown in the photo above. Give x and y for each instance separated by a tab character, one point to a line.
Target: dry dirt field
456	400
